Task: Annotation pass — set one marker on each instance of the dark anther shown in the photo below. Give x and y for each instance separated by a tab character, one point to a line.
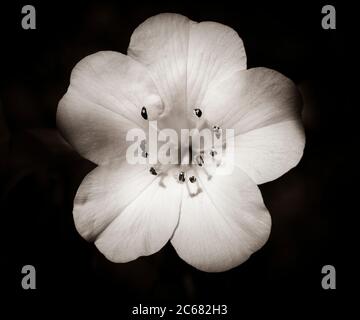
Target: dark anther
144	113
198	112
200	160
182	176
153	171
213	152
144	154
192	179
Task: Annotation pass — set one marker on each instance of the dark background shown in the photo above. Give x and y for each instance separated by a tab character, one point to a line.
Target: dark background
39	173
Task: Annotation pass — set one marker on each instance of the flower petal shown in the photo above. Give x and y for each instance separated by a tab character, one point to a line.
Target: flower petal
267	153
215	53
123	210
221	226
106	94
104	193
184	57
161	44
144	226
263	107
252	99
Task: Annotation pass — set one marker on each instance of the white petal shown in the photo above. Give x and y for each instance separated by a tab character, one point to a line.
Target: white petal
185	57
267	153
145	225
263	107
106	94
252	99
104	193
161	44
215	53
223	224
128	211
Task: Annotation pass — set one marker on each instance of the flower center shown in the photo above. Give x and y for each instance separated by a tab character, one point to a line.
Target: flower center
186	145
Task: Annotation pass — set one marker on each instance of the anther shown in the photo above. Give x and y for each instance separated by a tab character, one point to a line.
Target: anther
200	160
153	171
144	113
213	152
144	154
198	112
216	129
182	176
192	179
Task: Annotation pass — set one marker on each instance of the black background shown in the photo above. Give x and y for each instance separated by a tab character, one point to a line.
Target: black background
40	174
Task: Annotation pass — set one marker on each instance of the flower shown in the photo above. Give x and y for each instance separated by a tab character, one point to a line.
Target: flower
184	75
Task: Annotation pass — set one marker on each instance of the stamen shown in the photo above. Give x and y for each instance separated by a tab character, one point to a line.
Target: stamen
153	171
216	129
142	145
213	152
192	179
143	149
144	113
182	176
198	112
199	160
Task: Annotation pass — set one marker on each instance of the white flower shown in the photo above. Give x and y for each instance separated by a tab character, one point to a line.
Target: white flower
175	65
